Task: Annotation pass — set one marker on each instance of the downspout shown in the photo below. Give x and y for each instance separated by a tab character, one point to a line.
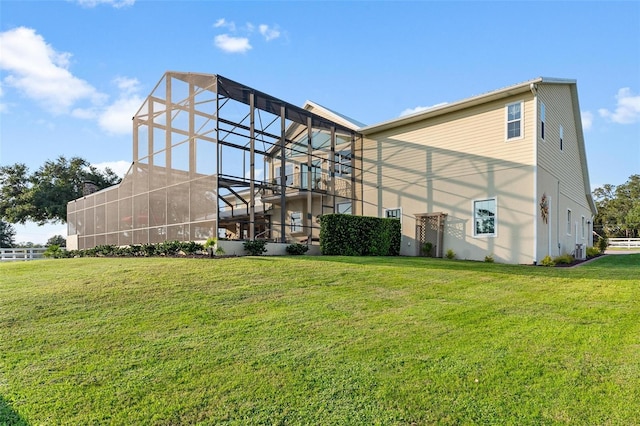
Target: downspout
534	90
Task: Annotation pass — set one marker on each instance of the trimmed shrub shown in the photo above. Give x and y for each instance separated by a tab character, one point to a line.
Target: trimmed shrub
547	261
450	254
593	252
297	249
602	244
565	259
54	251
348	235
255	247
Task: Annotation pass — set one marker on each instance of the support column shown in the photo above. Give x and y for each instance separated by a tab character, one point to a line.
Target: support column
309	180
332	170
192	133
252	168
283	176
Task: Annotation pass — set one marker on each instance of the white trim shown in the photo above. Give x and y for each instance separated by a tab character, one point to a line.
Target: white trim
535	176
506	121
561	140
495	217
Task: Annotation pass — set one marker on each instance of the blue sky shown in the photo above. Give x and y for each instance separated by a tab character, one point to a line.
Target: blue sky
74	72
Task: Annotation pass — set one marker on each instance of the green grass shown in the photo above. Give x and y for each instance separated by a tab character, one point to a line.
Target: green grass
325	340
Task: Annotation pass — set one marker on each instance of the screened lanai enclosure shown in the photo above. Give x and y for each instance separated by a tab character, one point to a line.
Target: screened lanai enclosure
215	158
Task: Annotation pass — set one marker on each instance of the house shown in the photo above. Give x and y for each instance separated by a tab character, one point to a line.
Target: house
501	174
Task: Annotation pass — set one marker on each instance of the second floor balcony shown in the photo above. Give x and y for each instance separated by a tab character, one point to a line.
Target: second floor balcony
297	186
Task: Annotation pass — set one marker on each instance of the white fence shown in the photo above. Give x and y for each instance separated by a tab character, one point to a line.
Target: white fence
624	242
10	254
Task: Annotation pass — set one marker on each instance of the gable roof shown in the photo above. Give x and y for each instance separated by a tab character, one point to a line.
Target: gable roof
529	85
333	115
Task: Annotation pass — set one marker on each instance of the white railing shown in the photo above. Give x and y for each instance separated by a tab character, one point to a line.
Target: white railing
10	254
624	242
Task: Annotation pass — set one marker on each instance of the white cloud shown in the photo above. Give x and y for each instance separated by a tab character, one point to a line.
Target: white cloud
118	167
259	174
587	119
268	32
223	23
417	109
232	44
3	107
116	118
127	85
115	3
41	73
627	109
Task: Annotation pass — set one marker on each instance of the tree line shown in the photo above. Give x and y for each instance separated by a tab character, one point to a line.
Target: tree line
42	196
618	209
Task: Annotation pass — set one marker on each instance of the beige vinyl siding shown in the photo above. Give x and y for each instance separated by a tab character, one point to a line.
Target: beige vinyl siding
457	143
444	163
564	165
560	175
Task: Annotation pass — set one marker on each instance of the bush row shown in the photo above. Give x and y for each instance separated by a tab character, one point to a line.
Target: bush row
166	248
348	235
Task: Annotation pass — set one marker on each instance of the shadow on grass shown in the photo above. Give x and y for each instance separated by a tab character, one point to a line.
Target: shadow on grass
619	267
8	417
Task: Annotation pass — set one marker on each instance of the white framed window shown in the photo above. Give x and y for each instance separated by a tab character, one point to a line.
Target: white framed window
344	208
395	213
543	119
514	120
561	138
343	163
568	221
288	175
295	222
485	218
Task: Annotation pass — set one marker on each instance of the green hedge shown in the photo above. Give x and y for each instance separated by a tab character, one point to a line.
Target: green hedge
348	235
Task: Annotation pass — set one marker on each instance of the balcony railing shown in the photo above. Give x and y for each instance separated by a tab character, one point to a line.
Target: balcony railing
298	182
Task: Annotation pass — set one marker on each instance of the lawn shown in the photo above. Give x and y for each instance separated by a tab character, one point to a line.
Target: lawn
318	340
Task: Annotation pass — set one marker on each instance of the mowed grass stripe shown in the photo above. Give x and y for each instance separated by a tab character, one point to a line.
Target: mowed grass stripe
327	340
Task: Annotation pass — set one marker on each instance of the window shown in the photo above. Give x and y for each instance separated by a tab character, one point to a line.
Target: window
582	228
344	208
561	138
514	119
343	163
393	213
484	217
288	172
296	222
568	221
542	119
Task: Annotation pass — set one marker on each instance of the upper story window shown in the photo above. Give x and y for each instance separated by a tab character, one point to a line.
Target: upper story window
343	163
288	175
514	120
484	217
561	138
543	119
